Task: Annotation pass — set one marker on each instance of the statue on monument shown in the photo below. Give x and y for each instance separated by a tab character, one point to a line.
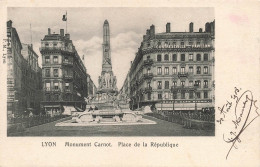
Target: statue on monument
107	79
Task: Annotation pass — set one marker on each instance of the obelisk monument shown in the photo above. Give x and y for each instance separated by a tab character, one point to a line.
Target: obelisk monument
107	80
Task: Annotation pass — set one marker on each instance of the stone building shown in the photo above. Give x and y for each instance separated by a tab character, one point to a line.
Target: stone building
32	79
64	75
23	76
173	70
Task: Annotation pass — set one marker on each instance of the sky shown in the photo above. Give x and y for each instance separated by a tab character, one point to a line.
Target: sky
127	27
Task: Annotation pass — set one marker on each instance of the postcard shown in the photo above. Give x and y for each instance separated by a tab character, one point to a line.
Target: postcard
130	83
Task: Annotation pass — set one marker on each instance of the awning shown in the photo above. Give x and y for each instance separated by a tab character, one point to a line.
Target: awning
52	106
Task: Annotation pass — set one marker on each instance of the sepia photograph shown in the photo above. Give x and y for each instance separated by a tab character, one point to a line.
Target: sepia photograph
110	71
129	83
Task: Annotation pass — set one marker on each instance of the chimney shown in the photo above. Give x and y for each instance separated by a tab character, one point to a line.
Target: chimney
200	30
67	36
191	27
152	31
62	32
49	31
168	27
207	27
147	32
9	23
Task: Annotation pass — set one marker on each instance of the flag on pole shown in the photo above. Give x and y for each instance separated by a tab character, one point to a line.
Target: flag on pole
64	18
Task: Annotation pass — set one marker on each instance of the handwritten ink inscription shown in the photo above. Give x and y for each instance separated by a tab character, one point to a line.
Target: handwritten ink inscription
242	109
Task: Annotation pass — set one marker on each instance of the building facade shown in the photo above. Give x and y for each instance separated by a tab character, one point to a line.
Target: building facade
173	70
23	76
64	74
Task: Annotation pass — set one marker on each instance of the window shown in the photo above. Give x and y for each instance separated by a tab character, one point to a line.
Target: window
159	70
174	70
198	95
175	95
159	85
190	57
47	59
55	73
48	97
191	94
190	83
198	43
159	43
148	70
149	96
55	44
174	43
190	43
159	96
55	59
191	70
67	85
166	70
174	83
47	72
166	57
56	97
205	95
183	94
206	57
198	57
148	57
166	85
182	43
48	86
148	85
197	83
182	70
182	83
182	57
46	44
56	85
66	59
159	57
205	70
174	57
198	70
205	83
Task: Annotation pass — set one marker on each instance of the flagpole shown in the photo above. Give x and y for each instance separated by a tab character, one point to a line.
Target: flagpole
66	21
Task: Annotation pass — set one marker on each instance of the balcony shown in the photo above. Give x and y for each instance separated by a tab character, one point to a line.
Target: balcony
52	90
67	63
148	89
148	76
148	62
183	74
68	90
182	88
66	76
56	90
46	48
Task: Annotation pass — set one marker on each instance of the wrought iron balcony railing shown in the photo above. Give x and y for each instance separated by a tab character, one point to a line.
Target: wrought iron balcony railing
182	74
66	76
67	63
148	62
148	76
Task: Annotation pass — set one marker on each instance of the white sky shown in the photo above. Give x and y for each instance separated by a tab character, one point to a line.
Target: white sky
127	27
